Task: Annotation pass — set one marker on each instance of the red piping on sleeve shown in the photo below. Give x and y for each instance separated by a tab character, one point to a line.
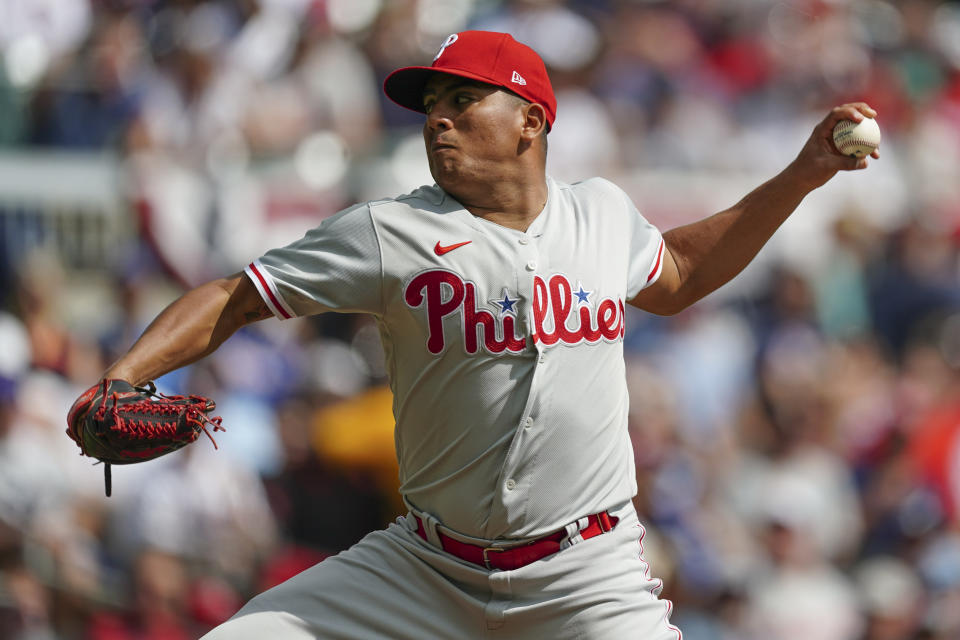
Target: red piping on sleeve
266	288
656	265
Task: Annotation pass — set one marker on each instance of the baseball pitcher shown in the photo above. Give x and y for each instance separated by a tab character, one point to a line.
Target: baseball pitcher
499	293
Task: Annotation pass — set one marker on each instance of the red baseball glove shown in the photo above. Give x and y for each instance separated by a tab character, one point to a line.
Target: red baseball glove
117	423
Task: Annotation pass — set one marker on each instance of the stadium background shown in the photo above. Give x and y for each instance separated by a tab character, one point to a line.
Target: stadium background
796	433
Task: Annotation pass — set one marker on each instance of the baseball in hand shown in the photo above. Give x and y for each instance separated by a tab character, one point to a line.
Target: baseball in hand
856	139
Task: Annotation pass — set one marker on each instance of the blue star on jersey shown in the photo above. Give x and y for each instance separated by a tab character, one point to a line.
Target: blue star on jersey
506	305
583	297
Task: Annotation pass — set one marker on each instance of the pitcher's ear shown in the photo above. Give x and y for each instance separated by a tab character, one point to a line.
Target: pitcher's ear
534	121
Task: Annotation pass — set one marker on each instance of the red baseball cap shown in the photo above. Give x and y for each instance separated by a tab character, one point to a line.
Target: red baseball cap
487	56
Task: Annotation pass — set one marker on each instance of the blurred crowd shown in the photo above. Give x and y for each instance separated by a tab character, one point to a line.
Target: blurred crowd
797	434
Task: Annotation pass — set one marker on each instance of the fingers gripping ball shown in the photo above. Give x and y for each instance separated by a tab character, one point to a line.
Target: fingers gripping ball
856	139
117	423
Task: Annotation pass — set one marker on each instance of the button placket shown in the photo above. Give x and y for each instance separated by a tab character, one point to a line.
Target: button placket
528	258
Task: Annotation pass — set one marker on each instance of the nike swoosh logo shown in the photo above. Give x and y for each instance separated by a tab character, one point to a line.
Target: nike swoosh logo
439	249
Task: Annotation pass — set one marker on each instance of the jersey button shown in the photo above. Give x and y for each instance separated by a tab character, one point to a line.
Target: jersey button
531	266
510	484
528	423
524	241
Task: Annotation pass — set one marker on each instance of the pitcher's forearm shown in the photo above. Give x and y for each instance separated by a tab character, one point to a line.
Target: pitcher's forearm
192	327
703	256
711	252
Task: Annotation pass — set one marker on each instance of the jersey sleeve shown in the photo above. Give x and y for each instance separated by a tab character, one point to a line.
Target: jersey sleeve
336	266
645	260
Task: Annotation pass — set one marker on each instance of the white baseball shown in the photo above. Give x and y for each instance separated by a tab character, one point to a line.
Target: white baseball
856	139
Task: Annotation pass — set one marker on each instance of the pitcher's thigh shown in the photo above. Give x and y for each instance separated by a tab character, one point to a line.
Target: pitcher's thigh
379	588
617	609
251	625
600	588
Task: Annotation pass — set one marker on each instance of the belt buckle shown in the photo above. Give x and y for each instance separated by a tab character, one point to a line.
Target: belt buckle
486	558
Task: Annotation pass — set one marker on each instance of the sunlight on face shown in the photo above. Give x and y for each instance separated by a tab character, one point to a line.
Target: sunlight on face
472	130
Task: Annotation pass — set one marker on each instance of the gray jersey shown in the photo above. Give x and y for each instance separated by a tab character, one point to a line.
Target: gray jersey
504	348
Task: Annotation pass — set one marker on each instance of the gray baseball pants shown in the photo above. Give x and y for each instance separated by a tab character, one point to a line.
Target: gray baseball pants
394	585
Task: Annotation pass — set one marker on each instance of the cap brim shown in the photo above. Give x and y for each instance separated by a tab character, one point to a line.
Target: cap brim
405	86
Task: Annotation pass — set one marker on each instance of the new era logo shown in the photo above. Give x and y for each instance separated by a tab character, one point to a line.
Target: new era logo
517	78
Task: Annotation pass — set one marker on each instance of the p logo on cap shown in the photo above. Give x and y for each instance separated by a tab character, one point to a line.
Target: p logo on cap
446	43
485	56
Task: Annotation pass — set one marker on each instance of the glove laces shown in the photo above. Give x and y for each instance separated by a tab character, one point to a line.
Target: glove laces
126	422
